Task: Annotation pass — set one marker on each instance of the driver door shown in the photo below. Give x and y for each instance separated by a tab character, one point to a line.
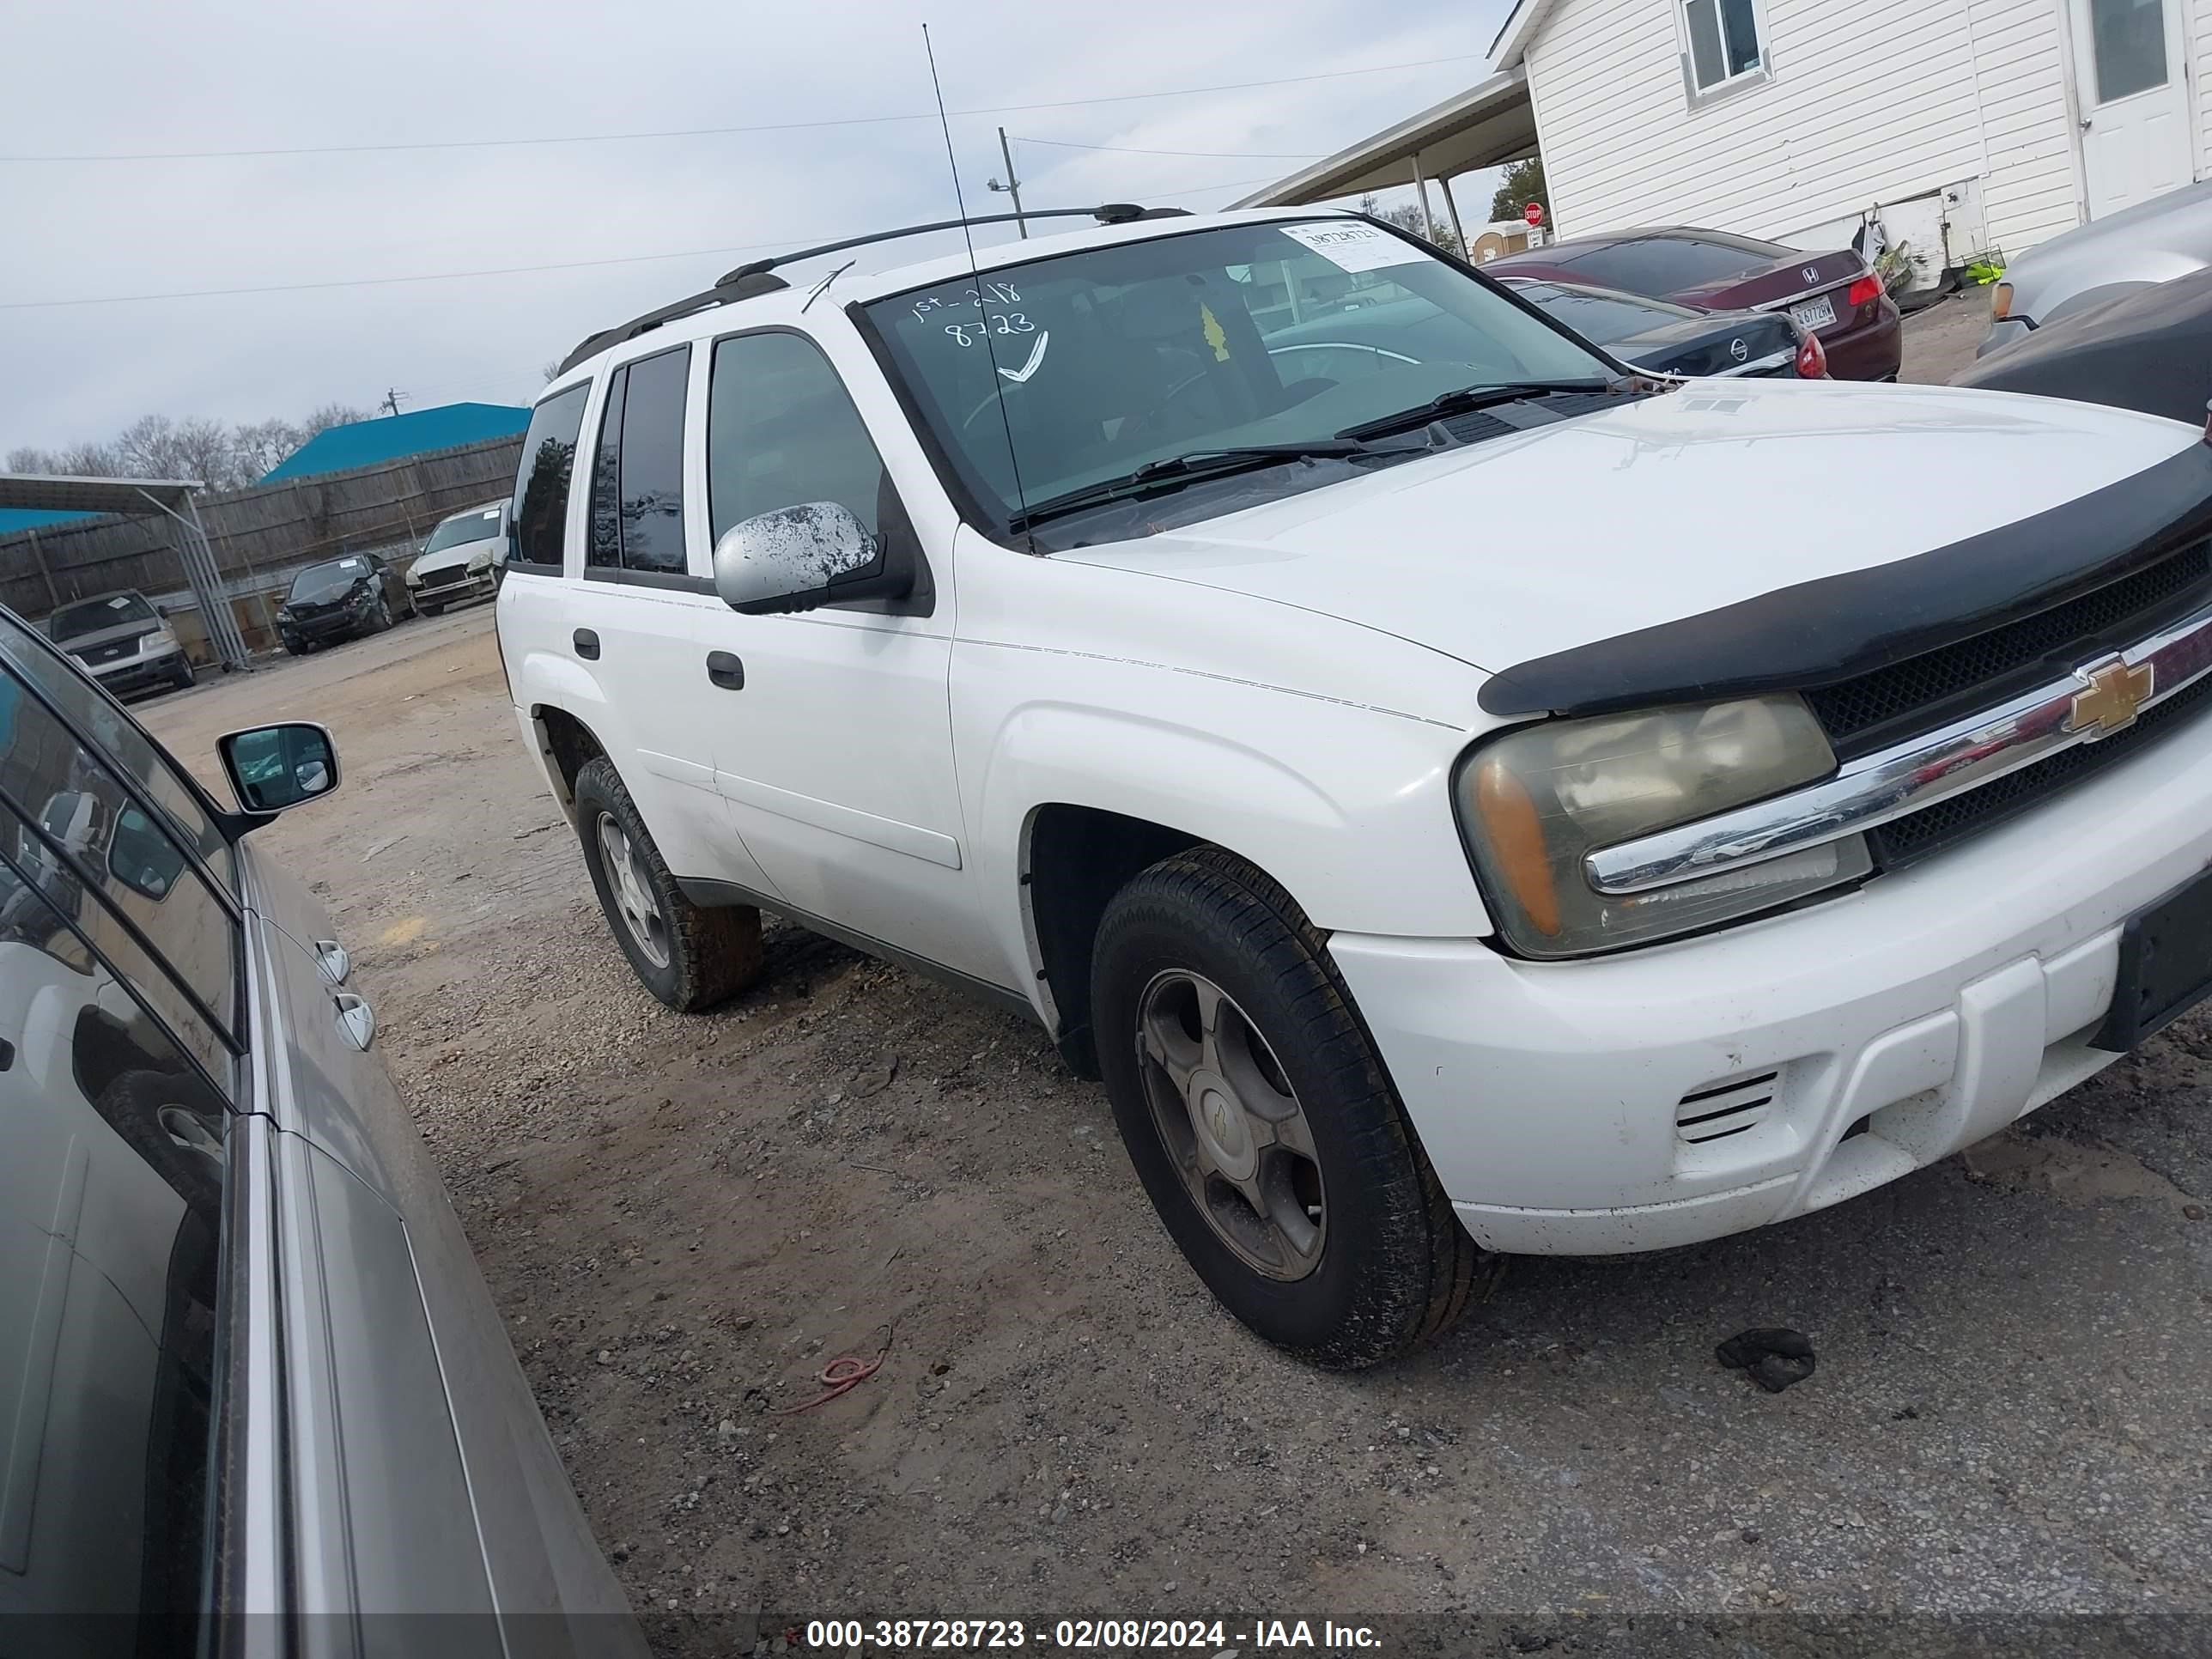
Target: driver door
833	750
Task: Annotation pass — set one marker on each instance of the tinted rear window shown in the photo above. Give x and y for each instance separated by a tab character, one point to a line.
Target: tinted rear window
1597	316
1667	264
541	483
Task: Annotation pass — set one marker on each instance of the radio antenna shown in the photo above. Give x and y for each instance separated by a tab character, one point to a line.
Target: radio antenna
982	303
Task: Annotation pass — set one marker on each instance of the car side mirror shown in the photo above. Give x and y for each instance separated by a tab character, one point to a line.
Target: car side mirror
798	558
272	768
161	613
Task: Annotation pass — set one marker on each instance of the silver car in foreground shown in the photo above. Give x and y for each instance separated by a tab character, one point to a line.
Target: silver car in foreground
2141	247
254	1395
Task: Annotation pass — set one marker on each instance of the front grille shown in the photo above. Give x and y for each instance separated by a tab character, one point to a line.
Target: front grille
1917	695
446	577
1934	828
115	653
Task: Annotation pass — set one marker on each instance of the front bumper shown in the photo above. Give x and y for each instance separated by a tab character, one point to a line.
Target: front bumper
1900	1024
2004	331
330	625
478	585
140	673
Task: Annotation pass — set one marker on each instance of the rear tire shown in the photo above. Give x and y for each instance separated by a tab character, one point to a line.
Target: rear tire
690	956
1368	1258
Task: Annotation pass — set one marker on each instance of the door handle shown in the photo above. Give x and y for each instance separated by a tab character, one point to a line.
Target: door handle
587	644
726	671
355	1019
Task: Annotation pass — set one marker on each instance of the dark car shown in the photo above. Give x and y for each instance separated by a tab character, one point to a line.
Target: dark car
252	1387
342	598
2150	350
1836	296
1672	339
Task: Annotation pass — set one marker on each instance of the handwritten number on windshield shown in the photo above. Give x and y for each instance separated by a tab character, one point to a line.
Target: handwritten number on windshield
998	322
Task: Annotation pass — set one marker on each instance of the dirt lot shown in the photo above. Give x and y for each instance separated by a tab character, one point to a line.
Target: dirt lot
683	1218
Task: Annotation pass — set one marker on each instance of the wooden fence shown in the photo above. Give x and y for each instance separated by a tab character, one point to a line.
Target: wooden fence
258	536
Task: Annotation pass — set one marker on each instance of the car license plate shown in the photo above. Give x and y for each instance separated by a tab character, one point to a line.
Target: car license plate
1815	314
2166	966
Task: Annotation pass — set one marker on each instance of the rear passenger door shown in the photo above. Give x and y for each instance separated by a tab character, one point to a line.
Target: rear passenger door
836	755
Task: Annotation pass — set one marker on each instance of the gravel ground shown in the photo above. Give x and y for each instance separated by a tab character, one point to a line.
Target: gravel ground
1941	340
684	1217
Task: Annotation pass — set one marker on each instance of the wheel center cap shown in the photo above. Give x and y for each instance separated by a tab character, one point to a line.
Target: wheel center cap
1220	1123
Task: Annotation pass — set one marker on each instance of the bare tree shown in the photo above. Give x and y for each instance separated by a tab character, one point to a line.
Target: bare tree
205	451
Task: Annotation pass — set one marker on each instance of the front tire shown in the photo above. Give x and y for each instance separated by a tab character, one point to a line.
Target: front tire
182	677
690	956
1262	1122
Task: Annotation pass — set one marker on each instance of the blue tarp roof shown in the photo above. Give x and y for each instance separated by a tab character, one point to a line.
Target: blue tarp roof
364	443
22	518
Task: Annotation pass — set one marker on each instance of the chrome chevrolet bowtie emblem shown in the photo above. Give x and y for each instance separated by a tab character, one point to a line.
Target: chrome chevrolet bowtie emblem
2112	694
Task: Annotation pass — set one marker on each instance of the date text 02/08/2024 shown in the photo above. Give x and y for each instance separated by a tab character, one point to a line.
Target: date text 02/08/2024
1212	1637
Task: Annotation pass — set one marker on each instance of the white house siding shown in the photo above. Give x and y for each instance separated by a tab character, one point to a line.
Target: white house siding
1870	102
2199	35
2032	189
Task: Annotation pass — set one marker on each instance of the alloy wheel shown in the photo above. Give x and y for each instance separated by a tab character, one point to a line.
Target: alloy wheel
1232	1124
632	894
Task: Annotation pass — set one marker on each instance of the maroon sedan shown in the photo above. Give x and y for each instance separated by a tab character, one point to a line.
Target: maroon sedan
1835	296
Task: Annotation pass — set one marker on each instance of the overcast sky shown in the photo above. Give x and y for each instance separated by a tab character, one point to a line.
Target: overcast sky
129	77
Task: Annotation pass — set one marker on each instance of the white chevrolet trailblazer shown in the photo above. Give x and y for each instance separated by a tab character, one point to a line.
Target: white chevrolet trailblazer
1462	797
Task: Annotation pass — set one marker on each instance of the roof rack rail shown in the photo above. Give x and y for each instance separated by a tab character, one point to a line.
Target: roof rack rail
1108	213
748	280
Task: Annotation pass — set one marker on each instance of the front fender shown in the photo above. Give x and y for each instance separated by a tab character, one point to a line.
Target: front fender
1349	808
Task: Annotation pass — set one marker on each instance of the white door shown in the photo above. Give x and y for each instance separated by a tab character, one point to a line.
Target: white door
836	757
2131	64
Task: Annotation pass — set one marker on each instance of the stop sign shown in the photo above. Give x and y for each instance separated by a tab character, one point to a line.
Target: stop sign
1534	213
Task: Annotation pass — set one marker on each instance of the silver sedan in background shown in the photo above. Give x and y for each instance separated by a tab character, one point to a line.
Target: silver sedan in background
2153	242
254	1395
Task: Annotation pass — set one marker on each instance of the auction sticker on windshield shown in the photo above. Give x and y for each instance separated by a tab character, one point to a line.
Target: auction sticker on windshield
1350	245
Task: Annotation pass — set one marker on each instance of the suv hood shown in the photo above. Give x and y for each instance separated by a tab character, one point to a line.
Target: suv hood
1565	534
458	553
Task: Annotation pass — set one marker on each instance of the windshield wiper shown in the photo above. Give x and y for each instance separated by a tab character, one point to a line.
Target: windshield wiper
1191	465
1465	400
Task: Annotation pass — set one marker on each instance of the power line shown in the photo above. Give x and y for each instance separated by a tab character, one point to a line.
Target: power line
378	282
716	132
1205	155
498	271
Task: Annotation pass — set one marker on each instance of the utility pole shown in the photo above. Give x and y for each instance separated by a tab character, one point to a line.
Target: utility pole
1013	186
391	403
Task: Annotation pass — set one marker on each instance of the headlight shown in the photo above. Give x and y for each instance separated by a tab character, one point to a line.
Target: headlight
1535	803
480	562
284	613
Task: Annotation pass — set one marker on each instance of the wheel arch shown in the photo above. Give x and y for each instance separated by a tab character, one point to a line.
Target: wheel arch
565	743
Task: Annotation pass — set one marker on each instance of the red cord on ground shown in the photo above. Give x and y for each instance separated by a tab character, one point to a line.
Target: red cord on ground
841	1375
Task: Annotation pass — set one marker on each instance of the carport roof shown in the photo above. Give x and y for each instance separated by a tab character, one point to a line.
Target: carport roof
1492	122
40	494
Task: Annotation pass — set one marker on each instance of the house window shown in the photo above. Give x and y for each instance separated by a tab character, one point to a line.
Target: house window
1724	44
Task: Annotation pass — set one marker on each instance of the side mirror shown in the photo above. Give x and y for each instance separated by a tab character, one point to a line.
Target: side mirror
798	558
161	612
275	767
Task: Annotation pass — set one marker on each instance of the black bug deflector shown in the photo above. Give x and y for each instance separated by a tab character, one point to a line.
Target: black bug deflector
1836	628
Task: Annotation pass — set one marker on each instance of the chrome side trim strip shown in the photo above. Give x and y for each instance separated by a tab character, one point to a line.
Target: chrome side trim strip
1759	366
1878	788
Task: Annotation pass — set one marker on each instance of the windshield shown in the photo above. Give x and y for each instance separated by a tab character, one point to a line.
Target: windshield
1595	313
477	527
90	616
319	581
1260	334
